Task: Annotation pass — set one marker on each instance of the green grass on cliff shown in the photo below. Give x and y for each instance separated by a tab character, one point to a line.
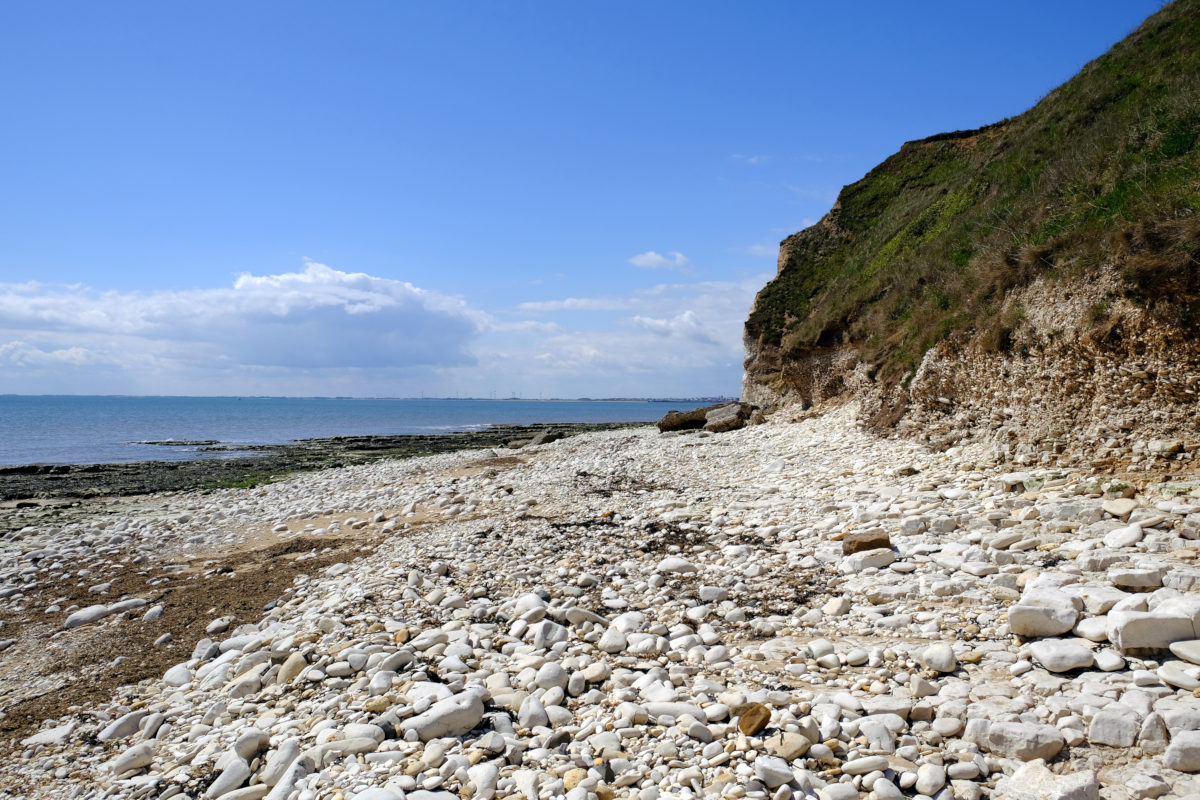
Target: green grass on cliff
1104	170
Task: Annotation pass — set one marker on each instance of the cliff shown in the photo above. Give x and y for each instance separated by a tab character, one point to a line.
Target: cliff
1035	279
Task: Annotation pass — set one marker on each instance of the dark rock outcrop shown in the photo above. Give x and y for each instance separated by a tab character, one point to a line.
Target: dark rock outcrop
715	419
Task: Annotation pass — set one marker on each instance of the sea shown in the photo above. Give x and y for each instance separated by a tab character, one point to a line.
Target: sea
75	429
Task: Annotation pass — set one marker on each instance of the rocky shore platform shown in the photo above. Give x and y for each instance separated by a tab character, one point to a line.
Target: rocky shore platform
246	465
794	609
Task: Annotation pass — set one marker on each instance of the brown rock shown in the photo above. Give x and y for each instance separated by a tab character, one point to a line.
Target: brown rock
752	718
684	420
788	746
573	777
865	540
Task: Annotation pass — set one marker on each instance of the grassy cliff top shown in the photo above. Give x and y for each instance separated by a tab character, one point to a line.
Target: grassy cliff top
1104	170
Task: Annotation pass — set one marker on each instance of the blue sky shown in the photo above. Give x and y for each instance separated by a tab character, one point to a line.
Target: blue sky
396	198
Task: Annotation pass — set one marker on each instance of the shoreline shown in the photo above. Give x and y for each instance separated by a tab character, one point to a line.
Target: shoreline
54	482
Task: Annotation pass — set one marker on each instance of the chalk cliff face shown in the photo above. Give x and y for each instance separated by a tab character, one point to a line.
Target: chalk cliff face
1037	280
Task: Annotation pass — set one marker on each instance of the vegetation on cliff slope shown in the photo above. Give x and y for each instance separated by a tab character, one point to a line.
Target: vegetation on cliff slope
1103	173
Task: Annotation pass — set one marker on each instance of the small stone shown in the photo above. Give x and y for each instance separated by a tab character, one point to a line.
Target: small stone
1180	674
1183	753
772	771
85	616
861	766
1033	781
1024	740
836	607
788	745
866	559
865	540
452	716
573	777
123	726
1145	787
938	657
886	790
1058	655
1108	661
1114	728
930	778
1126	536
136	757
1044	613
1120	508
1148	630
752	718
613	641
177	675
675	564
232	777
1188	650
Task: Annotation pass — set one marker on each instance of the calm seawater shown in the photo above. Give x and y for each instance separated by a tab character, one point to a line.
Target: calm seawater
94	430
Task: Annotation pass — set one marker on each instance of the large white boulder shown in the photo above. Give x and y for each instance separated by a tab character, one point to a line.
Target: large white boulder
1033	781
1045	612
1148	630
453	716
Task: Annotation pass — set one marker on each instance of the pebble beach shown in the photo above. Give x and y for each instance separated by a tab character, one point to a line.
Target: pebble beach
795	609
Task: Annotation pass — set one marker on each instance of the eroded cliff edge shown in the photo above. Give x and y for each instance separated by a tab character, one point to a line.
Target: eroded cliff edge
1034	281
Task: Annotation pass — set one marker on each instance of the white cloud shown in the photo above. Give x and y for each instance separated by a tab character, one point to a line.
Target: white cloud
665	339
318	318
652	260
684	325
323	331
752	160
576	304
762	250
21	354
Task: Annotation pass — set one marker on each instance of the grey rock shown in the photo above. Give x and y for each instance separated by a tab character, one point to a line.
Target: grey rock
930	778
772	771
232	777
86	616
1114	727
1044	612
453	716
1058	655
1183	753
1024	741
136	757
123	726
938	657
1033	781
1188	650
1147	630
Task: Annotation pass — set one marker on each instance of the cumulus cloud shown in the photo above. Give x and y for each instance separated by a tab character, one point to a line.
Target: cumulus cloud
324	331
652	260
686	325
313	319
659	339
